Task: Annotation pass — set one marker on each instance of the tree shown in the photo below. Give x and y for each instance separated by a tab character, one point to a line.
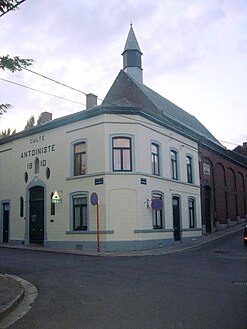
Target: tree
30	123
4	107
7	5
7	132
12	64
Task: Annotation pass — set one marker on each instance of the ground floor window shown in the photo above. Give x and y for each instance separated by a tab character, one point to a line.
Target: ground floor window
157	214
80	213
191	212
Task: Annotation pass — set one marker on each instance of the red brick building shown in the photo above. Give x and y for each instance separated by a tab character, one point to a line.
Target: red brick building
223	177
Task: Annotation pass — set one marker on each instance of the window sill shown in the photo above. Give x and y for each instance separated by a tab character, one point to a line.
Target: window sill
155	230
90	232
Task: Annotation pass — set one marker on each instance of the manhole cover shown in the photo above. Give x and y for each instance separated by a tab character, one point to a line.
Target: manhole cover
240	283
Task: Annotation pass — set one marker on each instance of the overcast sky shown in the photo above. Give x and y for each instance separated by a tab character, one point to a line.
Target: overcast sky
194	54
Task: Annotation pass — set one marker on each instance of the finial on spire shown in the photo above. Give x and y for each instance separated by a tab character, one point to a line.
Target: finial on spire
132	56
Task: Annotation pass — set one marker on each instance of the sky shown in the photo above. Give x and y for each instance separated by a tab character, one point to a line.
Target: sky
194	54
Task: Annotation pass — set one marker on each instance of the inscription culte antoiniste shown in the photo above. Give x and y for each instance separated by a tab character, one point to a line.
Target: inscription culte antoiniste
39	150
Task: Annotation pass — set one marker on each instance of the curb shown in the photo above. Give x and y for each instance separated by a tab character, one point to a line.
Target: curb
13	303
21	304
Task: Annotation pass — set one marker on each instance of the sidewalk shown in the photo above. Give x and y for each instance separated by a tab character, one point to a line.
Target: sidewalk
12	292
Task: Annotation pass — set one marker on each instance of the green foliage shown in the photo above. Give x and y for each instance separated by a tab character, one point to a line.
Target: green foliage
7	132
14	64
4	108
7	5
30	123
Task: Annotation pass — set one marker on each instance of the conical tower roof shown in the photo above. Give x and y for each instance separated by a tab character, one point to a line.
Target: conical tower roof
131	42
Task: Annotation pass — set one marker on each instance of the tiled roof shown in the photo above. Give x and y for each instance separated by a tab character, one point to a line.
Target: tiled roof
127	89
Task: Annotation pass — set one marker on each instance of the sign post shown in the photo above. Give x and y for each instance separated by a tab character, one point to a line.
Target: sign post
95	202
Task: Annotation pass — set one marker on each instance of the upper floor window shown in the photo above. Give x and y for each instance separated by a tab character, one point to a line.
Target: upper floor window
174	164
80	159
191	212
121	154
155	159
189	169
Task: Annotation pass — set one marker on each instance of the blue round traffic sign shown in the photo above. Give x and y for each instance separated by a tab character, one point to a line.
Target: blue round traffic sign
157	204
94	199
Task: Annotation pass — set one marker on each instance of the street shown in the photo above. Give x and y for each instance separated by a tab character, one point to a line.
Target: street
202	288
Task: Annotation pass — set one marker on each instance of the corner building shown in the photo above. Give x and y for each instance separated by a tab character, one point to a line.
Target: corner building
137	151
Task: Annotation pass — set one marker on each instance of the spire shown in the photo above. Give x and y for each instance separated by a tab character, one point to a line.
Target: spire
132	64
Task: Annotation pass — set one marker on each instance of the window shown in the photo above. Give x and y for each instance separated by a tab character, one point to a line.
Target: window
191	212
157	214
53	206
155	159
36	166
174	164
80	159
80	213
21	206
189	169
121	149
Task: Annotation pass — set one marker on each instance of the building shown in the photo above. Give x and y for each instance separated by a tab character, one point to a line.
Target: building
120	176
223	177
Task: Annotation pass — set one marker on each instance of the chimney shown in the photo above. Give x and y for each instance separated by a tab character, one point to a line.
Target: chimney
91	101
245	145
44	118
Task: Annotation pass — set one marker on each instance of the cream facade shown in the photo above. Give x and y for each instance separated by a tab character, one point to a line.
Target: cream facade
127	220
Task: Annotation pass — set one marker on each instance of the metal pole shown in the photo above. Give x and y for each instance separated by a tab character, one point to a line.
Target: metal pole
97	221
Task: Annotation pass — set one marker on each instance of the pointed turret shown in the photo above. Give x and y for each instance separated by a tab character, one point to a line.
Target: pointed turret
132	63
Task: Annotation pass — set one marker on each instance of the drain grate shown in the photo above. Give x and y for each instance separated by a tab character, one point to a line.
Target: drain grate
221	252
240	283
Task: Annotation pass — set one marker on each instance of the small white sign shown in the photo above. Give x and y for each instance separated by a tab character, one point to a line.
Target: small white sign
55	196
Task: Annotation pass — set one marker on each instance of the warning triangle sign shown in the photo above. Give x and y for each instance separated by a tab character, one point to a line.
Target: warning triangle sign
55	196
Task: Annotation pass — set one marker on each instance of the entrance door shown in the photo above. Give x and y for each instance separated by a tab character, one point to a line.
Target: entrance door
36	215
207	209
176	218
5	222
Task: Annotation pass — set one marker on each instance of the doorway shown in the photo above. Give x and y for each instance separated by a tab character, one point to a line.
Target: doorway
5	222
176	218
36	215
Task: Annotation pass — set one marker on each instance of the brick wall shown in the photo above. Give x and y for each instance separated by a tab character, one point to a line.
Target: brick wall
223	189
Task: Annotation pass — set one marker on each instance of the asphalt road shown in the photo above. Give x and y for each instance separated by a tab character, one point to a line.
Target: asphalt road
203	288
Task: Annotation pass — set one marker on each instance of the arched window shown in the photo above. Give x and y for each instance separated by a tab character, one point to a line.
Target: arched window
21	206
192	215
157	214
174	164
53	206
189	169
121	154
155	159
80	159
80	212
36	166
